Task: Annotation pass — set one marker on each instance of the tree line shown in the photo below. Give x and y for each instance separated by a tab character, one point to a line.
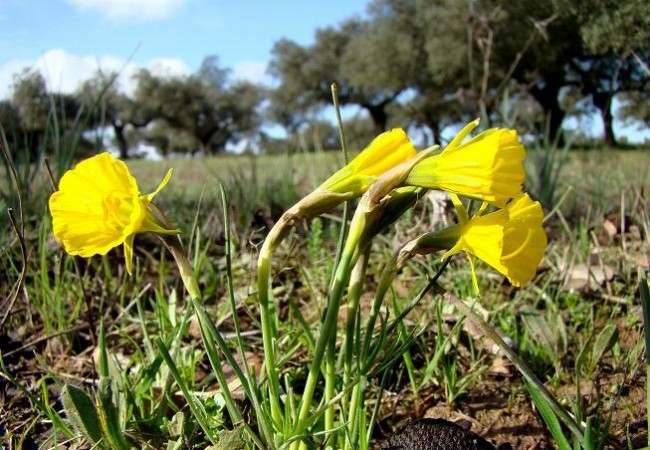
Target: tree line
427	64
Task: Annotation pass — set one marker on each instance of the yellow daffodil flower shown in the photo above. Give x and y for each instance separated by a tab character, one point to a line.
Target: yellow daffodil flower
98	206
385	152
512	240
488	167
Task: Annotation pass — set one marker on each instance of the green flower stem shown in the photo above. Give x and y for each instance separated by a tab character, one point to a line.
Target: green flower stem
269	333
330	386
385	280
174	246
356	408
330	358
245	379
328	327
644	294
355	288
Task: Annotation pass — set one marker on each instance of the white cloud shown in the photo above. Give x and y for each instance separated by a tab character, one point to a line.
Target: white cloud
128	10
254	71
64	72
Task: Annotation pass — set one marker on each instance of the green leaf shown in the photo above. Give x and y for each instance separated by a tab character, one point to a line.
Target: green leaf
109	415
604	342
590	438
82	414
549	417
229	440
581	360
176	427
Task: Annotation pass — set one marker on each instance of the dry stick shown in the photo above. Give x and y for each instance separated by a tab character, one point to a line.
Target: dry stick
19	230
539	26
486	76
13	295
470	47
75	261
14	179
43	339
514	357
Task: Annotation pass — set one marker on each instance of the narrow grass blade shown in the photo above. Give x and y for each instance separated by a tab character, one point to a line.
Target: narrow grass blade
549	417
196	408
644	293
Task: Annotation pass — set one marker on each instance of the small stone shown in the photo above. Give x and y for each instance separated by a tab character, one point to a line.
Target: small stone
436	434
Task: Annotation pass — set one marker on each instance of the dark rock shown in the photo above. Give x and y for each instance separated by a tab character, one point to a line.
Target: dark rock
436	434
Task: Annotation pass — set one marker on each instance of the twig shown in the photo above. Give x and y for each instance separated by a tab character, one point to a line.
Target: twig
42	339
13	294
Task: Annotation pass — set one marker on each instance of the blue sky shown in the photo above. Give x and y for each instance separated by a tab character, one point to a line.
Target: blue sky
68	39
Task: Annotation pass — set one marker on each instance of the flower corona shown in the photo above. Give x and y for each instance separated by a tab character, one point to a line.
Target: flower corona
488	167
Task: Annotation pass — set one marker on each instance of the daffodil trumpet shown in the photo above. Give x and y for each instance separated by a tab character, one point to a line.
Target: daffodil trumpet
512	240
488	167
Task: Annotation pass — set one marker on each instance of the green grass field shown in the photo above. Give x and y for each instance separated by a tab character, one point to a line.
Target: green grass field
578	325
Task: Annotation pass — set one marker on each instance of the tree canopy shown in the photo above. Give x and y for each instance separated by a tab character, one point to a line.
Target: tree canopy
426	64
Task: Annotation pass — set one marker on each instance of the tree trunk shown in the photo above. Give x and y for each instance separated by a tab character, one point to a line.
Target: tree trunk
203	150
379	116
603	101
121	141
434	127
548	98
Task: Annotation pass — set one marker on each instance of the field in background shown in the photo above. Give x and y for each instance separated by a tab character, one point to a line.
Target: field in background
599	239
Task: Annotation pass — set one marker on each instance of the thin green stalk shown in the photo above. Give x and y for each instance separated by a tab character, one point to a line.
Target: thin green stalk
214	333
355	288
197	410
330	358
408	361
346	205
277	233
328	327
644	293
208	332
385	281
252	393
330	385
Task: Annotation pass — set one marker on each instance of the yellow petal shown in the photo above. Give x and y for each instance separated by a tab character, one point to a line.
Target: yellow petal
128	253
98	207
489	167
162	184
467	129
386	151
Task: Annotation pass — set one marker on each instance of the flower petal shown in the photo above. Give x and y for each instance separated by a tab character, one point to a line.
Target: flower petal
162	184
128	253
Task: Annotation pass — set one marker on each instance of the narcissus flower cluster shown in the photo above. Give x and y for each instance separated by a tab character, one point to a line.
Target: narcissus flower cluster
99	206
